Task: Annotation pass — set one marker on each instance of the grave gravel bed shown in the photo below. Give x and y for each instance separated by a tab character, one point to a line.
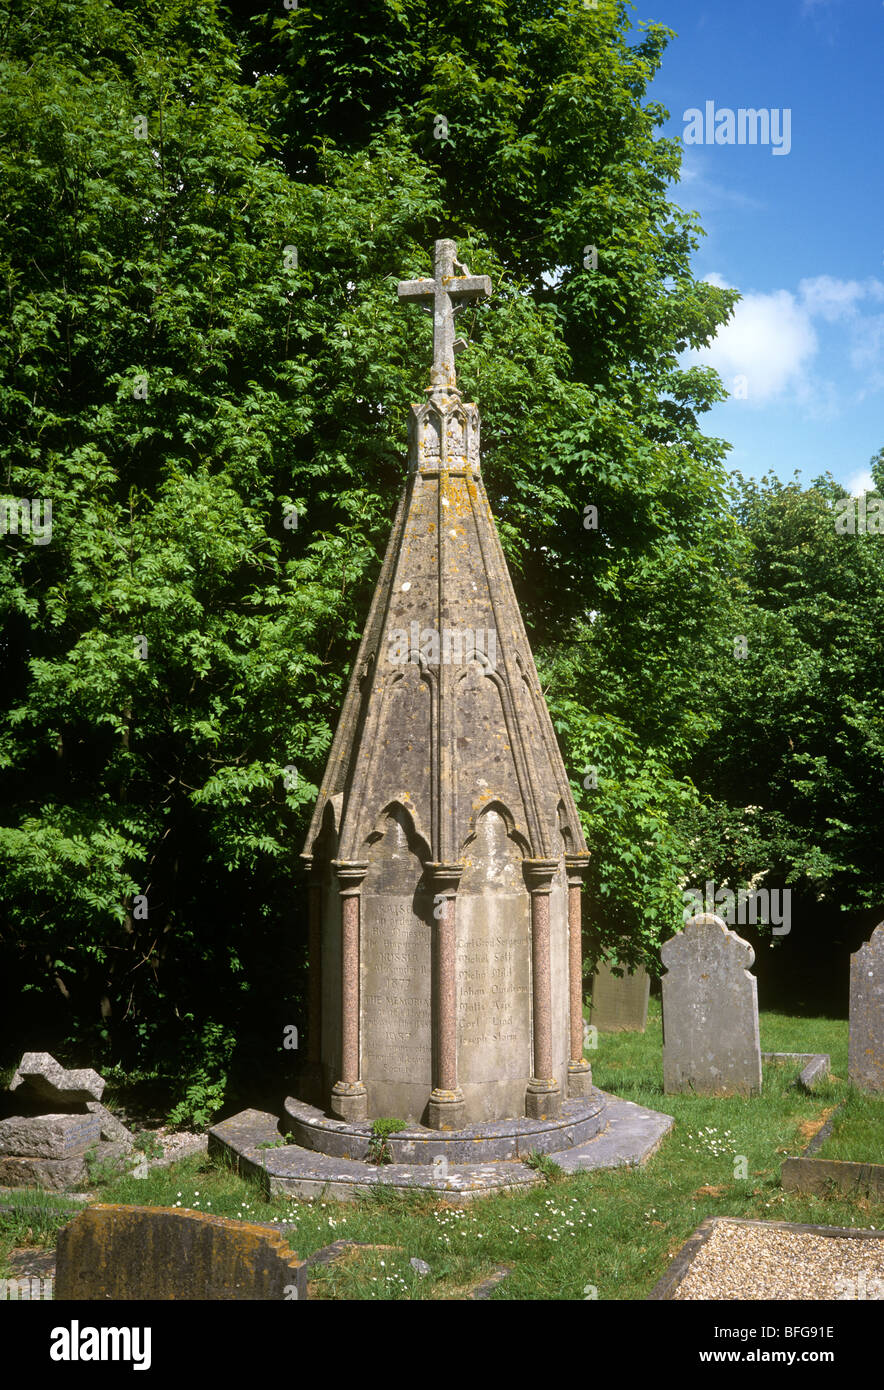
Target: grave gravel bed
178	1144
740	1261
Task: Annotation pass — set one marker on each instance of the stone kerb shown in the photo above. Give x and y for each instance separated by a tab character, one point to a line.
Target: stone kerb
711	1042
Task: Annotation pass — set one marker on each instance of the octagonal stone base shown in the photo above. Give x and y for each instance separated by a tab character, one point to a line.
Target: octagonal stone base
497	1139
600	1132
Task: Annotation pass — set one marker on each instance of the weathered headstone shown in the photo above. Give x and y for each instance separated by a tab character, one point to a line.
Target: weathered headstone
865	1065
710	1012
163	1253
619	1005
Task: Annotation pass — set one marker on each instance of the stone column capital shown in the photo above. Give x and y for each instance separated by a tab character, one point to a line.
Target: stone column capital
577	867
539	874
443	879
311	868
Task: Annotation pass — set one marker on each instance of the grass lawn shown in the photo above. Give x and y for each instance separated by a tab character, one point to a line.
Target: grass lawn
857	1131
608	1235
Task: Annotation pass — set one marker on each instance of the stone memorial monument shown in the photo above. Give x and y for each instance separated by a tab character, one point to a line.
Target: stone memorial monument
711	1043
445	851
444	861
865	1064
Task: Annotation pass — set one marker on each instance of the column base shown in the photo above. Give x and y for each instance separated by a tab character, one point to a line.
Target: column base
349	1100
579	1080
543	1099
446	1110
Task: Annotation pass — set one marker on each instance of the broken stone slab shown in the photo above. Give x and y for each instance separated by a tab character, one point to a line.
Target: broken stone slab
45	1077
110	1150
52	1174
817	1066
48	1136
486	1288
112	1129
167	1253
817	1069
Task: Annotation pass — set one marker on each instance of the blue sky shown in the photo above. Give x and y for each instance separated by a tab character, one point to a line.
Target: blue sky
799	234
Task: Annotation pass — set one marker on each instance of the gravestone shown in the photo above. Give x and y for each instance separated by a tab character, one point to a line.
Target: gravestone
619	1005
165	1253
865	1066
711	1042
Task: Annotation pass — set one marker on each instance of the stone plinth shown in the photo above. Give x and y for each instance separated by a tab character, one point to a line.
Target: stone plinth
474	1163
497	1140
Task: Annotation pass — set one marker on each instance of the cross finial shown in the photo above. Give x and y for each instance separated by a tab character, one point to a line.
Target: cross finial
446	292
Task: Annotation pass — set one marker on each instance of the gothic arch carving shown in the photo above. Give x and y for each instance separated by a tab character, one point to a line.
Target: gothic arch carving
513	833
402	808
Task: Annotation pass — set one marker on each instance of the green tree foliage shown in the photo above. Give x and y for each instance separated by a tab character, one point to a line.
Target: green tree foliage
793	779
532	118
204	219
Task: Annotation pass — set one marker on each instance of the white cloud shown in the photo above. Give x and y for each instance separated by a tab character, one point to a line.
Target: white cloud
707	194
772	342
867	348
834	299
858	483
769	340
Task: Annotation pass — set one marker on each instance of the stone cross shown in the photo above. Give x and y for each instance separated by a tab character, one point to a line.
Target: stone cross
447	293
